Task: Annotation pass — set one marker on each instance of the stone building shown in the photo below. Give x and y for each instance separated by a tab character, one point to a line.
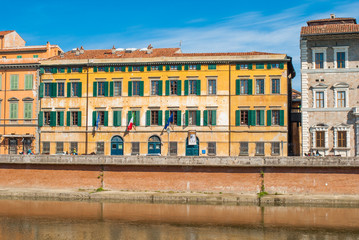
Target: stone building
222	103
330	72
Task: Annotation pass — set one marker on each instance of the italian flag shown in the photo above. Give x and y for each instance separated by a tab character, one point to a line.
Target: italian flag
130	124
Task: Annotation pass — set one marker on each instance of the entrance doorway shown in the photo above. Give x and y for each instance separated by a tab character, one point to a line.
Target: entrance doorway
192	150
116	145
154	145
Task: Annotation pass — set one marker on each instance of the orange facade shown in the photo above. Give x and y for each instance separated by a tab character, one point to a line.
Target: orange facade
18	91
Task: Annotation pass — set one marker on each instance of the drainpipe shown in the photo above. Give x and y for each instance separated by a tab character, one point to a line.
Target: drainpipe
229	109
87	104
5	103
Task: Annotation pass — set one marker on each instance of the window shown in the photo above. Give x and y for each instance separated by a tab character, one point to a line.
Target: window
341	99
244	117
47	89
74	118
260	148
60	89
136	68
244	86
59	118
260	66
341	56
319	60
260	117
73	147
35	56
275	65
173	148
174	86
212	67
136	88
175	116
101	69
244	66
101	116
212	87
75	89
47	117
192	67
101	89
117	88
260	86
154	68
155	87
45	147
319	135
14	81
76	69
59	147
154	117
276	86
192	117
243	148
135	148
340	59
342	139
13	110
174	67
211	148
319	99
275	148
48	70
275	117
28	81
27	110
192	87
100	148
19	56
212	117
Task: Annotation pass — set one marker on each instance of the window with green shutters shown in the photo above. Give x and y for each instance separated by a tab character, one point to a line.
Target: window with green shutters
269	117
14	110
238	117
251	117
60	118
244	86
212	67
14	82
117	115
19	56
28	81
27	110
193	118
35	56
260	66
136	116
209	117
154	117
260	117
250	66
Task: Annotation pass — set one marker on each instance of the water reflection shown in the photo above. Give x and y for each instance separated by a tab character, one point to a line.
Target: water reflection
83	220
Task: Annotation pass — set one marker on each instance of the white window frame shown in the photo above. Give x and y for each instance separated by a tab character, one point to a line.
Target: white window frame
340	87
319	50
341	49
320	88
341	151
317	128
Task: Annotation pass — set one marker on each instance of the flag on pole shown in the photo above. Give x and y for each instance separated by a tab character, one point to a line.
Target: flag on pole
170	119
97	120
130	124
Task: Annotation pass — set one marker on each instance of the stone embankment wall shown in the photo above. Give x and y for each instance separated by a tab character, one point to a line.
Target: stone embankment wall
282	175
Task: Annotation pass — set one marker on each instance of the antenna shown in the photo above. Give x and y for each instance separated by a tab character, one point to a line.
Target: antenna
180	43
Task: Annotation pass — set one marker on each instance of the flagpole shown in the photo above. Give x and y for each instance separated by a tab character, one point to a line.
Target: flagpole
168	136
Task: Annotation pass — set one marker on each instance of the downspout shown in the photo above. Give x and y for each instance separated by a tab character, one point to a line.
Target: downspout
5	103
87	113
229	110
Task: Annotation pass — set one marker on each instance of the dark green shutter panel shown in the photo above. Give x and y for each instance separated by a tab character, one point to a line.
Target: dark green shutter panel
68	118
95	89
148	117
41	90
269	117
141	88
148	68
54	70
205	117
238	67
186	67
68	70
106	88
123	69
105	118
198	87
179	87
68	89
137	118
62	70
106	69
53	90
42	71
238	117
160	88
179	67
198	118
115	119
186	116
167	87
214	117
130	68
41	119
61	118
198	66
142	68
238	87
250	87
129	115
130	89
79	90
80	69
261	118
160	118
269	66
160	67
112	69
94	69
185	87
52	119
281	65
250	66
252	117
167	116
281	117
179	118
94	118
79	118
167	67
111	89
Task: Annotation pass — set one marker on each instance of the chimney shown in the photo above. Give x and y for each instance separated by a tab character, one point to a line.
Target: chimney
61	54
332	16
48	46
113	49
77	51
82	50
149	49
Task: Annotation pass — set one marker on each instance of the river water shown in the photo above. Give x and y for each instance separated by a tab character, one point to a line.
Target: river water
23	219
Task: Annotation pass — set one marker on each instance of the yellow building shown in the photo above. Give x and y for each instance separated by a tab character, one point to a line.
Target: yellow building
221	103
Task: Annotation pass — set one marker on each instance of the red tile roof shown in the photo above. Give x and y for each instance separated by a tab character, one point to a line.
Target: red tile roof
3	33
329	20
330	29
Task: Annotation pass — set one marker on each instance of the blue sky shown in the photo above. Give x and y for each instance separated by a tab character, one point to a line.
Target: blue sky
201	26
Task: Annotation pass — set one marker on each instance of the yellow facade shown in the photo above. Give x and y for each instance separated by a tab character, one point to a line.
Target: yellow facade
221	137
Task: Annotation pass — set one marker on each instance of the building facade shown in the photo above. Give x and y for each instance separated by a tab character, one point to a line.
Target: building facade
221	103
329	67
18	91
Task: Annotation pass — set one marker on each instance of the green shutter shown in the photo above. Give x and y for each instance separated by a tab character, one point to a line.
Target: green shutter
61	118
42	71
112	69
68	89
148	68
260	66
62	70
167	87
41	90
205	117
281	65
130	68
250	87
269	117
117	118
54	70
41	119
68	118
94	69
79	90
179	67
250	66
79	119
160	67
137	118
160	118
269	66
106	69
68	70
94	118
94	89
214	117
111	89
167	116
28	81
129	89
198	87
141	88
179	87
238	67
238	117
142	68
13	110
238	87
105	118
261	117
106	88
167	67
186	118
129	115
14	82
28	110
160	88
80	69
148	117
185	87
179	118
281	117
198	67
53	90
186	67
252	117
198	118
123	69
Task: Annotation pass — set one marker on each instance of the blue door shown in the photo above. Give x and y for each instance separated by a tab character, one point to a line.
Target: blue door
116	145
154	145
192	150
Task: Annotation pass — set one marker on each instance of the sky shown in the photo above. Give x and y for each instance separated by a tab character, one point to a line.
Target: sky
199	26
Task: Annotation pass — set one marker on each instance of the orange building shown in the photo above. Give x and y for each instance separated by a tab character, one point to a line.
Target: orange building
19	76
